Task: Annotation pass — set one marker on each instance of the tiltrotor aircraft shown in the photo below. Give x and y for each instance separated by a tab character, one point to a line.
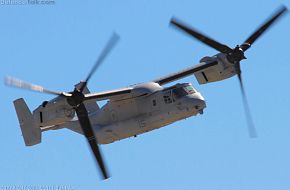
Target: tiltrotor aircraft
135	109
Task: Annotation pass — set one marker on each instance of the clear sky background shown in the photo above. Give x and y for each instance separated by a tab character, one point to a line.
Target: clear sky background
56	46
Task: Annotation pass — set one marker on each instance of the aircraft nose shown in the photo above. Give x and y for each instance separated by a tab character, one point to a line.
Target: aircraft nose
200	105
196	103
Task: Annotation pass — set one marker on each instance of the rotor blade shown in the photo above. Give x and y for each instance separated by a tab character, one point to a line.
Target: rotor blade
109	46
251	126
86	126
263	28
14	82
201	37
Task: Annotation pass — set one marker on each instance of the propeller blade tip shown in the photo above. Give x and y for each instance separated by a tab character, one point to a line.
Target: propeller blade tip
283	8
115	36
106	177
6	80
11	81
253	133
174	22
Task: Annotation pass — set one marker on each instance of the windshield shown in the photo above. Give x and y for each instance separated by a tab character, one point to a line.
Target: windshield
183	91
189	89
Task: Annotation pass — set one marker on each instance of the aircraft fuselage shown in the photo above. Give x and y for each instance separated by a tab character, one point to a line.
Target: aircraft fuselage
157	107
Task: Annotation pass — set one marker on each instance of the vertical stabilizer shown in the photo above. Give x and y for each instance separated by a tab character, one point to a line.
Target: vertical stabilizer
30	132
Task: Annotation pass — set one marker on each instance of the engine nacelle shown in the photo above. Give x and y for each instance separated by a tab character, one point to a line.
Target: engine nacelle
54	112
222	70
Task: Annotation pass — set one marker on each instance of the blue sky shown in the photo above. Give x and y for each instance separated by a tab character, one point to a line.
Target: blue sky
56	45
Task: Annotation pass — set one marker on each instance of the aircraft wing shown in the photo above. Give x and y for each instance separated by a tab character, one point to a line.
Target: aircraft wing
184	73
122	92
108	94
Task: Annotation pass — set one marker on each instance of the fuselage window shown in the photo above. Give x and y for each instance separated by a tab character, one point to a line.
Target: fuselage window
167	97
154	102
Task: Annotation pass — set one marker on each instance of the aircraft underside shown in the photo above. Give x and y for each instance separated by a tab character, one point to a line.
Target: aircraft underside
141	124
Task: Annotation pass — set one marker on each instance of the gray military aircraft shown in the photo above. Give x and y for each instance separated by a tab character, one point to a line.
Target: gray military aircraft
135	109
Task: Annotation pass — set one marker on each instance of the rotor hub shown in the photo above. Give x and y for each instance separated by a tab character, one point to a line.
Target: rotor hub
76	99
236	55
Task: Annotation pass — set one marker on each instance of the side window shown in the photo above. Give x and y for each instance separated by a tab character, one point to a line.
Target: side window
179	92
154	102
167	97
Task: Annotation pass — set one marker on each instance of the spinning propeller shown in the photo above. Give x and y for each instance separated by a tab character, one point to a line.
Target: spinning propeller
234	55
76	100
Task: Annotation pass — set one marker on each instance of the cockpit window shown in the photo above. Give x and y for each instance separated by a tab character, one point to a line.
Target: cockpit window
183	91
189	89
179	92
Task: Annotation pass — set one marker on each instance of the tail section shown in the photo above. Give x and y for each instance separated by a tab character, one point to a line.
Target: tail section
31	133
